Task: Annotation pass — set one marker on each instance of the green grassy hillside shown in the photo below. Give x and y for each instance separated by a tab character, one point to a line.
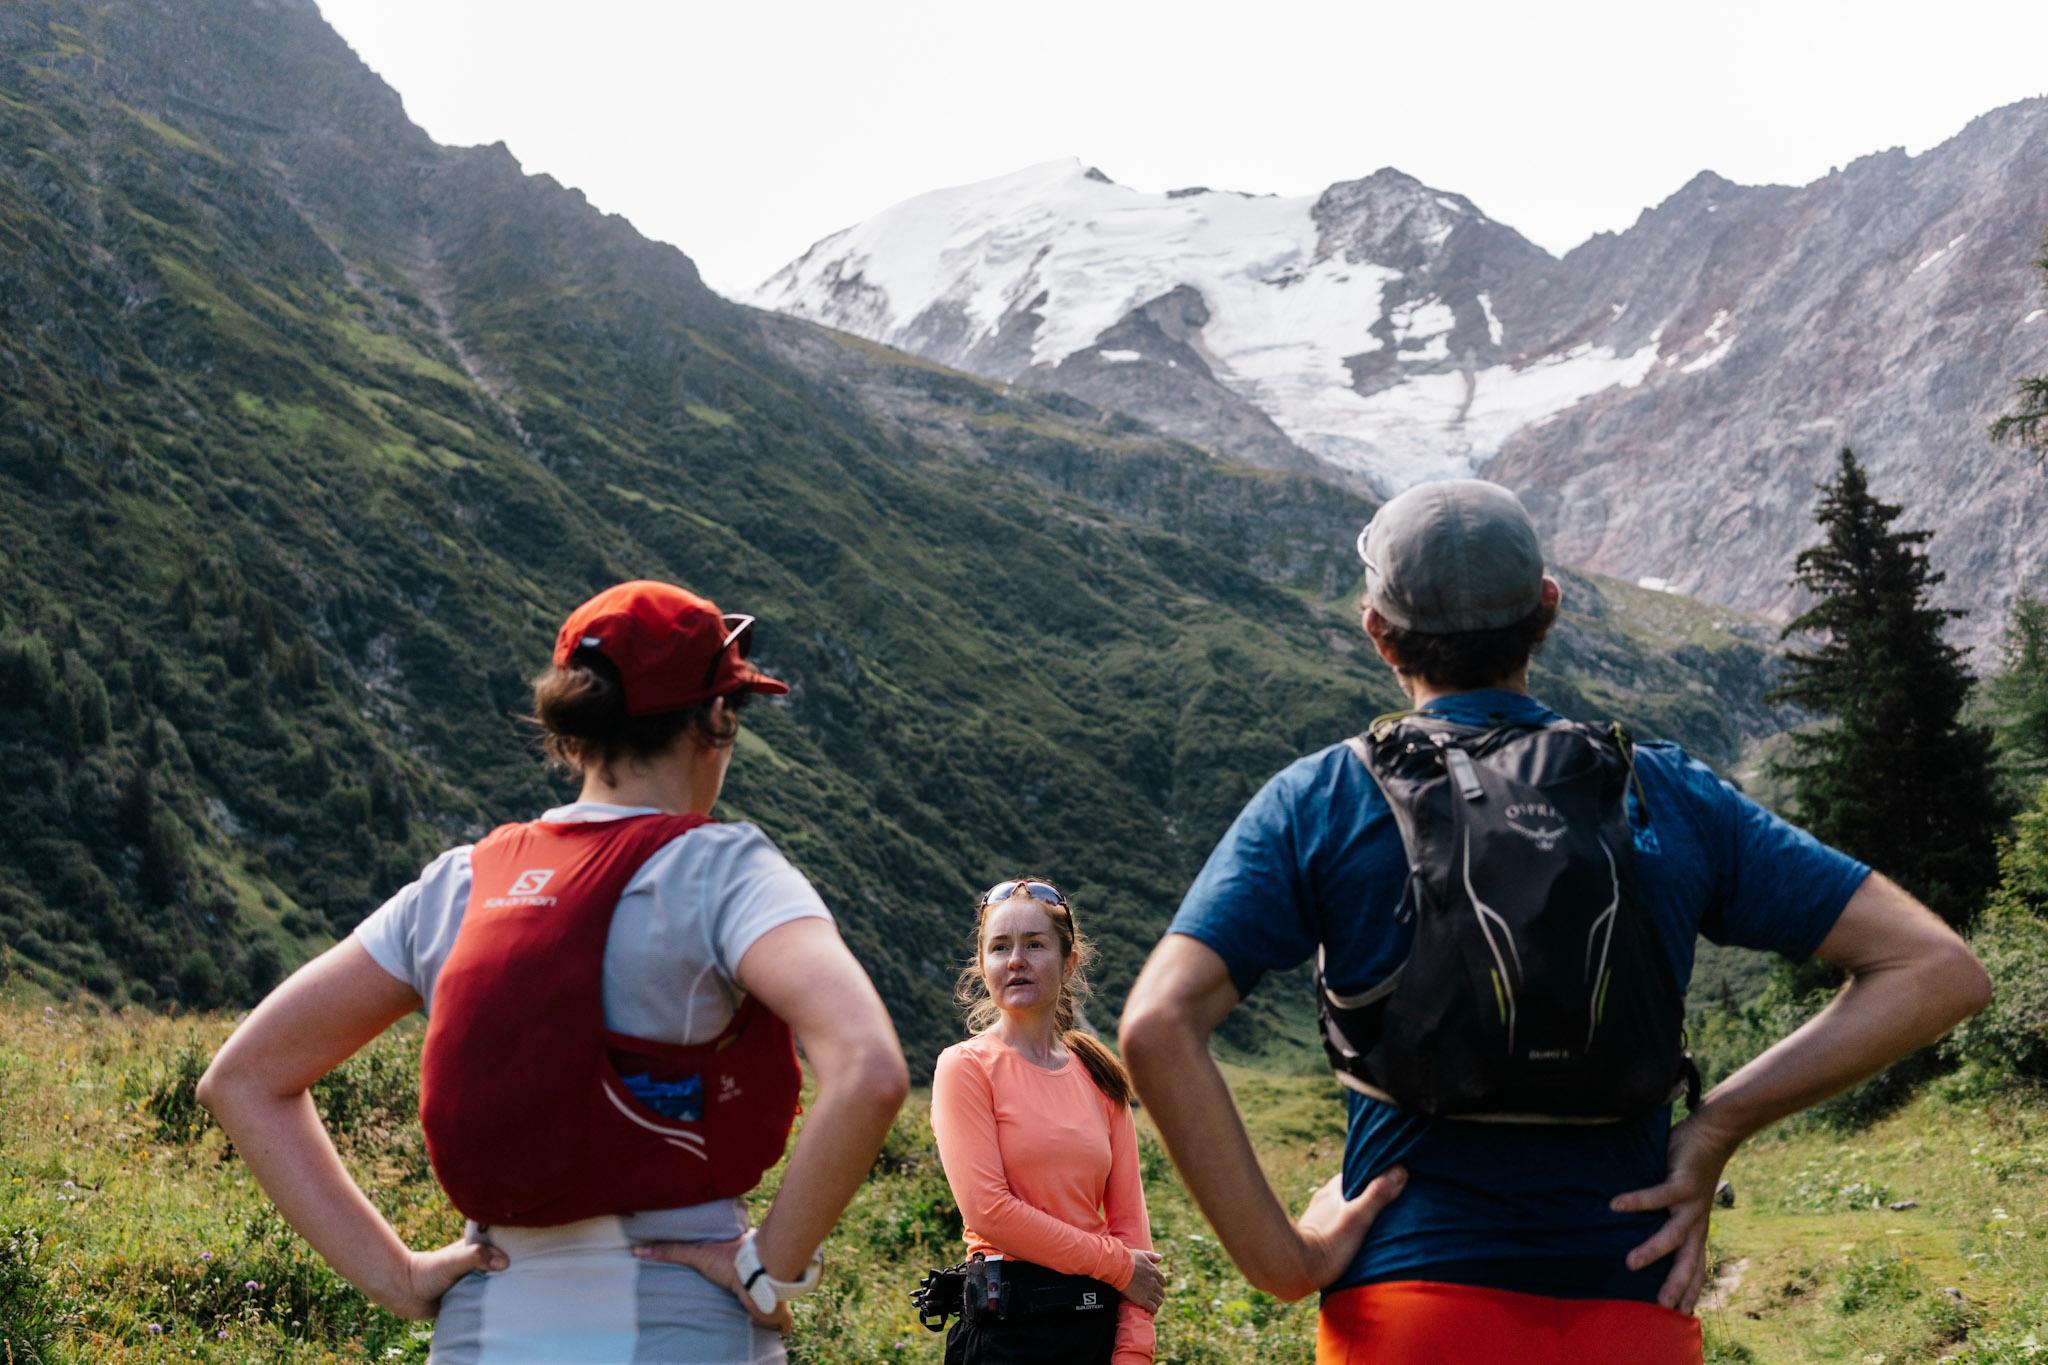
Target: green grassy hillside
312	430
128	1232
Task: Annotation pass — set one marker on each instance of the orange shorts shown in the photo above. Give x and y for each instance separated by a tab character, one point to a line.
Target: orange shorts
1418	1322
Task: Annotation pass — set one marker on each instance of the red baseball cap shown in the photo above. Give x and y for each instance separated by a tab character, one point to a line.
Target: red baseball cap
672	648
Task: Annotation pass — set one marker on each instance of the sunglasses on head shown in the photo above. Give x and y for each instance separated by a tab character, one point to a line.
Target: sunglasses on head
1044	892
739	638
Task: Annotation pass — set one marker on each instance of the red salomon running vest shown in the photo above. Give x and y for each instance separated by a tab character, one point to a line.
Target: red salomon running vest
528	1123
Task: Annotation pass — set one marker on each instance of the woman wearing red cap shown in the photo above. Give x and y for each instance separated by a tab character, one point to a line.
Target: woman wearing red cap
1034	1129
608	1067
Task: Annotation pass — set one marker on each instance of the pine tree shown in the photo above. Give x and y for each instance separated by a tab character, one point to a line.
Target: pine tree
1895	777
2019	694
2027	423
137	809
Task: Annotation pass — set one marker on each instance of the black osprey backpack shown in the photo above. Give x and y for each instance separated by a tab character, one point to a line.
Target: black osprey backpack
1536	990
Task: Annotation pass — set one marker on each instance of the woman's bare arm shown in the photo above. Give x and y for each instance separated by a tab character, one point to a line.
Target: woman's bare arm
805	973
257	1090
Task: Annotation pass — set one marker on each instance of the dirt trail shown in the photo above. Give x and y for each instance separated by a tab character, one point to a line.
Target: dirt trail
431	277
1723	1285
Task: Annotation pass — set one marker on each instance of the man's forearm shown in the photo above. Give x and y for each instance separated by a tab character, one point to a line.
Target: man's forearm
1192	1106
1175	1004
1882	1015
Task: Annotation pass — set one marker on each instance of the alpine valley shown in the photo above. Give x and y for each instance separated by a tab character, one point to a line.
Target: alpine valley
311	430
1664	399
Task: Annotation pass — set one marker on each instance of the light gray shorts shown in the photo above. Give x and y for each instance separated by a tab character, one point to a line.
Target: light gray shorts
574	1295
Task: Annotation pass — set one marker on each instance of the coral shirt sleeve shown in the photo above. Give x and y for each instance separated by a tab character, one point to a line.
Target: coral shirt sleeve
964	1122
1123	1204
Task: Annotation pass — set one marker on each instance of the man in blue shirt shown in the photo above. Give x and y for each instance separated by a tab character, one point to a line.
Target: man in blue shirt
1592	1233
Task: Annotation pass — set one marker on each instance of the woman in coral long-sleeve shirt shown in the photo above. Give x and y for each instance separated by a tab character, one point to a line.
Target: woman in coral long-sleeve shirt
1033	1120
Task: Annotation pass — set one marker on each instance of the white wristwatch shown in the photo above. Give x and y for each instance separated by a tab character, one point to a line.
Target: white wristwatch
763	1290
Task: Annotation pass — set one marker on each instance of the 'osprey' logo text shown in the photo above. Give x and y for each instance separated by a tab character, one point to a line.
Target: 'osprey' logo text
1544	839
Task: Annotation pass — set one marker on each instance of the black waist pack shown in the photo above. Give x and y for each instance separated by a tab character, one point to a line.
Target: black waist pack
1535	990
979	1287
940	1296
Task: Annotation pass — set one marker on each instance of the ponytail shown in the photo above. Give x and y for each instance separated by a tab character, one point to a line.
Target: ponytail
1103	1067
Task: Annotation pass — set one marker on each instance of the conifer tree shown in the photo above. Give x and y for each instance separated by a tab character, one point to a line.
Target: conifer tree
1895	777
2027	423
2019	694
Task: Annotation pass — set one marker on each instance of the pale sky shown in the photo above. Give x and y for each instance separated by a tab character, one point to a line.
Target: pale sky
743	132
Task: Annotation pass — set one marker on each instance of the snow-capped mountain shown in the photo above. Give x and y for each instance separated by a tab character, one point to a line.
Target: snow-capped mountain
1357	324
1664	398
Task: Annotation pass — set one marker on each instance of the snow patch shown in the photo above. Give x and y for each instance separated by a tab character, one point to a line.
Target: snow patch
1438	426
1492	322
1656	584
1712	357
1450	204
1119	357
1425	317
1952	244
1615	311
1707	361
1428	320
2034	316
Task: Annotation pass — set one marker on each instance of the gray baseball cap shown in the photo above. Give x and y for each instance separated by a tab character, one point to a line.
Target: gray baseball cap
1444	558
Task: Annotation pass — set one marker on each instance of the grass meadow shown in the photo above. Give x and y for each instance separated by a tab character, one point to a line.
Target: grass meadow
129	1232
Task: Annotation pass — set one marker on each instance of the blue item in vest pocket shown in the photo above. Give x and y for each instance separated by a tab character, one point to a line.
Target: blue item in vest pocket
681	1098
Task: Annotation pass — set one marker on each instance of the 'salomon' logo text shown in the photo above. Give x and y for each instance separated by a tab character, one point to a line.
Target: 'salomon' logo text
526	889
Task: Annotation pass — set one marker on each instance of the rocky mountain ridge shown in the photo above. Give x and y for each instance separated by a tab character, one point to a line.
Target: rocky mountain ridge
1664	398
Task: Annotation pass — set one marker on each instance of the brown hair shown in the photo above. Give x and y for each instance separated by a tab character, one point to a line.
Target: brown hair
581	712
971	990
1473	658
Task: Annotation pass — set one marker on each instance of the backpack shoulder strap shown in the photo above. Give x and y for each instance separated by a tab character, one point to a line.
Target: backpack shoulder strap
1384	722
1619	733
1361	747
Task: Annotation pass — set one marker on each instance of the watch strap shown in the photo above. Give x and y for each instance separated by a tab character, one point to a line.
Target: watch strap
763	1290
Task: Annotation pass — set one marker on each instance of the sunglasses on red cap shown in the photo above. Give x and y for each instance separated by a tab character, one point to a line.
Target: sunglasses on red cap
739	638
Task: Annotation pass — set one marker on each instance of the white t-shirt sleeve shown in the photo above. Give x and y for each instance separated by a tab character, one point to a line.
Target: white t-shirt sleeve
409	935
753	889
685	921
